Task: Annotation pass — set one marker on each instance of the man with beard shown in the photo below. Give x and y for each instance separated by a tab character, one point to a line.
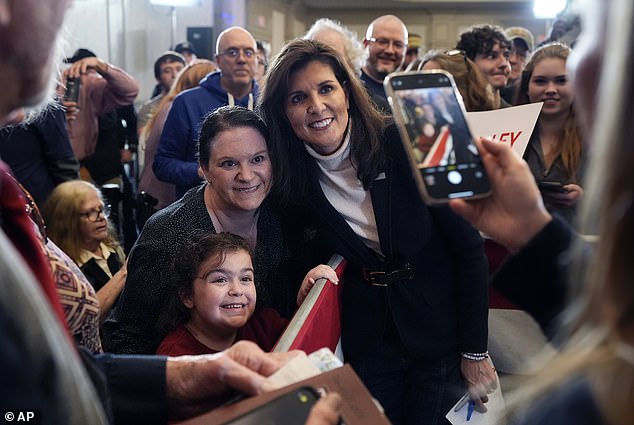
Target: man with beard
386	42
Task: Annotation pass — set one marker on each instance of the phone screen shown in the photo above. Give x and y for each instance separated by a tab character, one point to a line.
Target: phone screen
72	89
551	186
429	113
290	408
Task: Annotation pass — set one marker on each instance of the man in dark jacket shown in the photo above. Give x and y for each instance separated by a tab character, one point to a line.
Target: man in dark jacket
39	152
175	161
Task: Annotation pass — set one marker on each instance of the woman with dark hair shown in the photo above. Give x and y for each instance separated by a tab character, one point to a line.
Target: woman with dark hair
555	149
415	293
235	162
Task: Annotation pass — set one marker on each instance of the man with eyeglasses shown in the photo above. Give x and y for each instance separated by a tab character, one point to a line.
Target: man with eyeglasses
386	42
233	84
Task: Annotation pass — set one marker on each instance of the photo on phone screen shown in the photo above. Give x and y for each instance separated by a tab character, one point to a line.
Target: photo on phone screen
428	111
290	408
72	89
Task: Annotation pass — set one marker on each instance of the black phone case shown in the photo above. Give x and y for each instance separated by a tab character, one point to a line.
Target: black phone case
290	408
551	186
462	176
72	90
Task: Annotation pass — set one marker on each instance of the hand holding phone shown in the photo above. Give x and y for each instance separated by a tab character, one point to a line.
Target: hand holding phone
429	113
552	186
290	408
71	94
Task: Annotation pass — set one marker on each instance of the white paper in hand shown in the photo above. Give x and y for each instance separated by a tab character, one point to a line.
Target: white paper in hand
495	411
304	367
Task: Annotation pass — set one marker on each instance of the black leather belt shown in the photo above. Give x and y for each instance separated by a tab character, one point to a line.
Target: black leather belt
380	278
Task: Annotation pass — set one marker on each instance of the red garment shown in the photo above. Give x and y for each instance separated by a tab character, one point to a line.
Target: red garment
264	328
496	254
20	229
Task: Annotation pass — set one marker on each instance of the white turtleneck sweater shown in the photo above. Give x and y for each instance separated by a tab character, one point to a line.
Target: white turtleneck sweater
338	179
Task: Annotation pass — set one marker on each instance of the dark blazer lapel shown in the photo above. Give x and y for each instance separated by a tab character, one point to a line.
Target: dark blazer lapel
381	192
94	273
339	228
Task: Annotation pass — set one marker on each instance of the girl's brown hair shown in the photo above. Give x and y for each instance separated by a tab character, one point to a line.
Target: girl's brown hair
198	248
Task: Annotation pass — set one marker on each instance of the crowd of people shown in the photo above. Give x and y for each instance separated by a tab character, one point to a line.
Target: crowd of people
259	167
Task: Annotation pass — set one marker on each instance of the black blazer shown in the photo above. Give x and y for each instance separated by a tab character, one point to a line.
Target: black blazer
443	309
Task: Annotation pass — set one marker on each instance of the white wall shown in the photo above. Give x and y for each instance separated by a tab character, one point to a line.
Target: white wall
439	27
137	34
133	33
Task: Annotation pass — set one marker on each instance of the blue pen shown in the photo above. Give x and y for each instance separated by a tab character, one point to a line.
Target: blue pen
470	409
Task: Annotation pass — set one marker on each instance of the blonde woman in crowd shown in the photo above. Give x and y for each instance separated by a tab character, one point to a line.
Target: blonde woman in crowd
189	77
554	152
77	221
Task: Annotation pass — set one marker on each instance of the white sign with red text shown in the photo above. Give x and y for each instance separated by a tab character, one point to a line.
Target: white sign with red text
508	125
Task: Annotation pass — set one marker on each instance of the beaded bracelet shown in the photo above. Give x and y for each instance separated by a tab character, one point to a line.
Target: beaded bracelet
476	356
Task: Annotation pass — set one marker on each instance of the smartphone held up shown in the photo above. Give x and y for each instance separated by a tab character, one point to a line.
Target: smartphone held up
290	408
71	94
429	114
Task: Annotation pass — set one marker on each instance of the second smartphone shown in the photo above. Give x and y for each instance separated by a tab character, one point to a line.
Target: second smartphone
429	113
290	408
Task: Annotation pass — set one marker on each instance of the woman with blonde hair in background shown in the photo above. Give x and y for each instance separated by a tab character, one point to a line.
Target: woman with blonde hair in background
475	90
188	78
554	152
77	221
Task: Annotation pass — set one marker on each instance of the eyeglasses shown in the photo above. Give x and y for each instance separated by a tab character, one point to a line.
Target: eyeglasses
234	52
93	215
384	43
450	53
456	52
